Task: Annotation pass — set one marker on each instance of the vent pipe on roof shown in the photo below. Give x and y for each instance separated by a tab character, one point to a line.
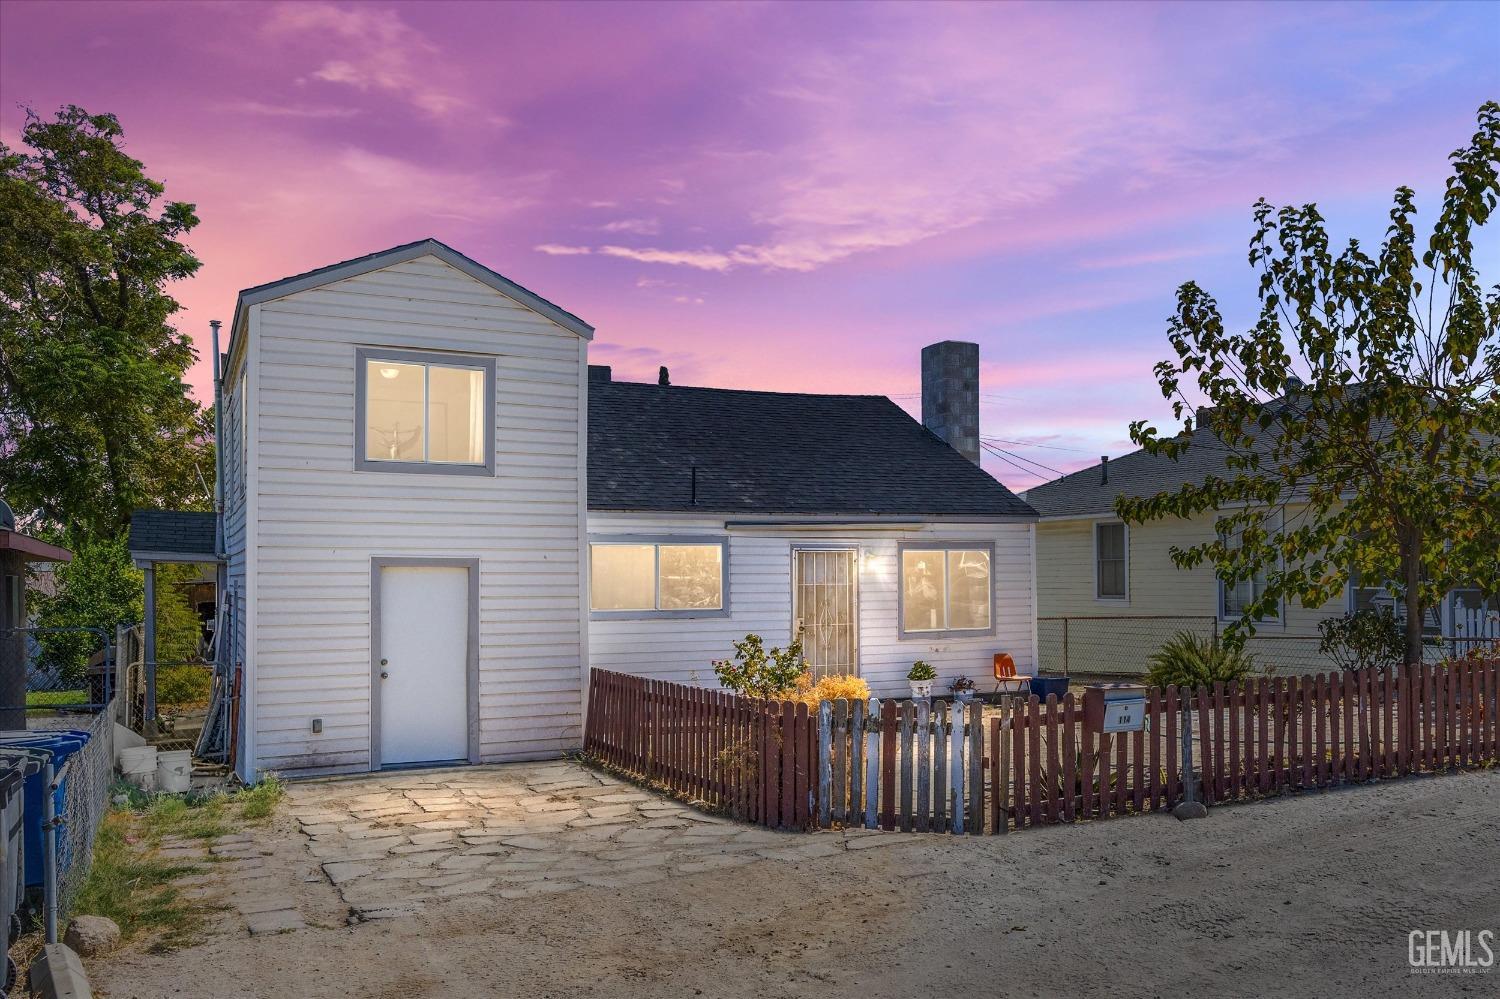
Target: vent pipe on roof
950	394
1104	469
662	378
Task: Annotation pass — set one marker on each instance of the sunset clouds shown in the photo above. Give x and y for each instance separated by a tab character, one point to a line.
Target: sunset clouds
785	196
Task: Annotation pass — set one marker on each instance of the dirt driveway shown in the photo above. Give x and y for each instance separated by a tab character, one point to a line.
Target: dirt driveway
1306	895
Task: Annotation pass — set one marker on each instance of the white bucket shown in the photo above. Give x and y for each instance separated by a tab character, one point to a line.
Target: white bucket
138	764
174	771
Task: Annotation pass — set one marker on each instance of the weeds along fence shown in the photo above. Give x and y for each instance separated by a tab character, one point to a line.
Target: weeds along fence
989	768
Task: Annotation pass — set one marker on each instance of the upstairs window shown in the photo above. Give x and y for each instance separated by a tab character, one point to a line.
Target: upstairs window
674	578
946	589
424	412
1110	561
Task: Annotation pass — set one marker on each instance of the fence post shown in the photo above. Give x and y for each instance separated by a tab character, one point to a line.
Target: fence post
50	823
825	762
1190	807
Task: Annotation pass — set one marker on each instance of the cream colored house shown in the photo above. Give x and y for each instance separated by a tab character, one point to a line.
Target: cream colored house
1109	595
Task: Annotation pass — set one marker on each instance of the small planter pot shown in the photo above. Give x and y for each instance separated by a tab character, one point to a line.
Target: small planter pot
964	696
920	689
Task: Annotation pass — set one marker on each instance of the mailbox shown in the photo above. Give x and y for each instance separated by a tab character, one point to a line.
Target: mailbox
1114	707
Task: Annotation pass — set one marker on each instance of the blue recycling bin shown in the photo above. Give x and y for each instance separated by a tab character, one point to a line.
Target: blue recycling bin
57	746
1041	686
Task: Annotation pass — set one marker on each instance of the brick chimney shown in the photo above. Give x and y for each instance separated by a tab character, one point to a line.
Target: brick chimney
950	394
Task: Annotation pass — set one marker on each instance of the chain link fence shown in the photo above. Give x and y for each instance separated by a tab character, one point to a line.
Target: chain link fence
86	782
1122	645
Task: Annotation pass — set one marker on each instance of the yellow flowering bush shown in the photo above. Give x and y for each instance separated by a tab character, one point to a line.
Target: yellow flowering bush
829	688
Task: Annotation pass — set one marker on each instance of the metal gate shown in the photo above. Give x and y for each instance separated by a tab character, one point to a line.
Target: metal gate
825	606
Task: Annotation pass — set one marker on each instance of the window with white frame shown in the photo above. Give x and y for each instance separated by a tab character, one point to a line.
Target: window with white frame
1235	597
424	412
946	589
675	577
1109	561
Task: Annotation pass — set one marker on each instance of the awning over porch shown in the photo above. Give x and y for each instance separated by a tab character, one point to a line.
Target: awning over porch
172	536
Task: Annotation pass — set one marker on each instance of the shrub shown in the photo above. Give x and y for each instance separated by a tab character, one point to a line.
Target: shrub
755	672
921	671
1364	639
830	688
182	685
1188	660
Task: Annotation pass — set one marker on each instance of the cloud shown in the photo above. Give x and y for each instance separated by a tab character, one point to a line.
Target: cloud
559	250
636	227
379	52
703	260
253	107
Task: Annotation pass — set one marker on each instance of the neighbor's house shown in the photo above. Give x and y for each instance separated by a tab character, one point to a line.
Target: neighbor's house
1109	593
438	517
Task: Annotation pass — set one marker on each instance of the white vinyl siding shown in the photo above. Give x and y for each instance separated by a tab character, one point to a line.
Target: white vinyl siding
759	600
319	520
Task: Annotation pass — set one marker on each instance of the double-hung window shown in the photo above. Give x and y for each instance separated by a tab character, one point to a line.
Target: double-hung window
1235	597
676	577
1110	562
946	589
424	412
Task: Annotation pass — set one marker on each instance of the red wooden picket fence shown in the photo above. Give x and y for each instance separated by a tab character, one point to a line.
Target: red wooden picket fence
967	768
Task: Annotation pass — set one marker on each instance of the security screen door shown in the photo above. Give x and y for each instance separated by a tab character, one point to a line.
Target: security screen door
825	606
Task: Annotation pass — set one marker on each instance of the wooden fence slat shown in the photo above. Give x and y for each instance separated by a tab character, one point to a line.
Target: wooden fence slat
873	718
908	709
1278	733
998	818
1221	777
1263	737
1034	756
1019	767
888	737
1054	753
1153	721
1308	706
856	763
1203	758
1070	757
940	767
924	764
1236	762
1138	776
825	765
956	768
976	768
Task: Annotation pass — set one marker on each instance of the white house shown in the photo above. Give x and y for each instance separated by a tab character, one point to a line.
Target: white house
437	517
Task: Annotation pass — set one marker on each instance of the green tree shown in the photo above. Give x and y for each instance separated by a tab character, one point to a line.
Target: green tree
1357	419
95	420
99	588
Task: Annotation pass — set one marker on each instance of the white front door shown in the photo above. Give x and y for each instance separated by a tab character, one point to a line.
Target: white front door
423	670
825	604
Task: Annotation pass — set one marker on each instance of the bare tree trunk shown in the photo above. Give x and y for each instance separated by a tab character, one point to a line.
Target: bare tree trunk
1411	573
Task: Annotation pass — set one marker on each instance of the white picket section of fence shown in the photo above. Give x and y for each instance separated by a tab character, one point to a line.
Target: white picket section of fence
872	764
956	762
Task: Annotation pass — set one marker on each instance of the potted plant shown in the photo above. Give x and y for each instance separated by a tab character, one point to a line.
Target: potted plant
963	688
920	676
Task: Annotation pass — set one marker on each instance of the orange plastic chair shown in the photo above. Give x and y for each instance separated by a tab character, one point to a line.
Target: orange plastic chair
1006	680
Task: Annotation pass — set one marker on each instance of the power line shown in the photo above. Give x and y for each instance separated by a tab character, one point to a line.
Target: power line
1000	452
1049	447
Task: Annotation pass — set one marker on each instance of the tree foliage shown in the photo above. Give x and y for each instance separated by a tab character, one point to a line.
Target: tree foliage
95	420
1366	639
1358	418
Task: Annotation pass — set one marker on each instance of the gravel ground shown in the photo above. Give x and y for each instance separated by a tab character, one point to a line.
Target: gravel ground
1308	895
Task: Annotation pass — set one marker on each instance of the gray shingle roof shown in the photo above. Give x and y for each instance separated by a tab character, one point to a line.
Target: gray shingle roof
179	532
776	452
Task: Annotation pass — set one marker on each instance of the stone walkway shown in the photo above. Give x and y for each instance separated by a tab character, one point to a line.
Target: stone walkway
391	842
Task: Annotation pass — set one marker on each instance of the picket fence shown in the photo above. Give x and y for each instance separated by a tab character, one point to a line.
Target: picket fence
1019	762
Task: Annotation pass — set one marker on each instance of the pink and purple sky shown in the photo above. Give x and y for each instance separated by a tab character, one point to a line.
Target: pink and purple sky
786	196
